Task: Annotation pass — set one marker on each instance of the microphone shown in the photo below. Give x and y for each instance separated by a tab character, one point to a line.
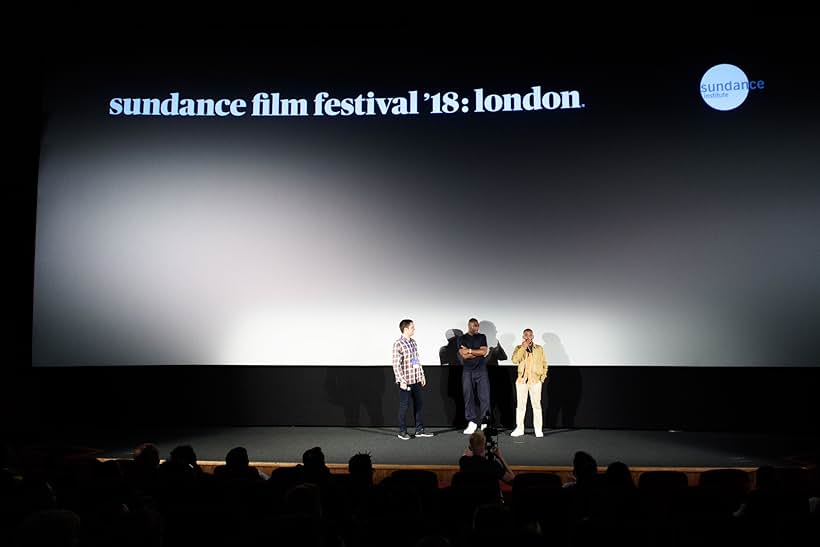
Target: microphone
529	348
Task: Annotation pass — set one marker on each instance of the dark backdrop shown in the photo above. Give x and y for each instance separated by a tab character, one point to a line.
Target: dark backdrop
703	399
718	399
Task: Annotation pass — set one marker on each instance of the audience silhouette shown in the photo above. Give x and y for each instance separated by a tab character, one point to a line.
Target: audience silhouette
140	501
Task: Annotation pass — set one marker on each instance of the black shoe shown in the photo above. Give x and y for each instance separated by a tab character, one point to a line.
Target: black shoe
404	436
423	433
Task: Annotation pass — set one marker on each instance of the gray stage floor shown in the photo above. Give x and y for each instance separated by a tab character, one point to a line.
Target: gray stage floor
556	448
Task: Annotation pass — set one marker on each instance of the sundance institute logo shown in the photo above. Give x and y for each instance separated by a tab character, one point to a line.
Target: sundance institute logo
725	87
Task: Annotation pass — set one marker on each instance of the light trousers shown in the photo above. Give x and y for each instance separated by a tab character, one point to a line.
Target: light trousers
533	391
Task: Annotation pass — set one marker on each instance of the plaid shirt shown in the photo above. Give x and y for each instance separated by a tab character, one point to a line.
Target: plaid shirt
405	352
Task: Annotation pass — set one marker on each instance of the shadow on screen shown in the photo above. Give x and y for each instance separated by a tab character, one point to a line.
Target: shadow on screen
502	399
356	389
451	391
564	384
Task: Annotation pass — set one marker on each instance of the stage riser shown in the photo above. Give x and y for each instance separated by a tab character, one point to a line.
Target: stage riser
445	472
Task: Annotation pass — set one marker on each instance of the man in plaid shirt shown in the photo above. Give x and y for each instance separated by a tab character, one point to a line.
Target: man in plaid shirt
409	378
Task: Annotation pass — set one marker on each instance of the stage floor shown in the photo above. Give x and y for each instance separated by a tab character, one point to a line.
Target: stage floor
647	449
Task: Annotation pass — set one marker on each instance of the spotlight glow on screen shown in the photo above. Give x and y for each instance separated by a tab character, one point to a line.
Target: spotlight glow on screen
607	207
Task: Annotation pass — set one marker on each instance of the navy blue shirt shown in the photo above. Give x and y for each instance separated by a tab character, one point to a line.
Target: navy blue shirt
472	341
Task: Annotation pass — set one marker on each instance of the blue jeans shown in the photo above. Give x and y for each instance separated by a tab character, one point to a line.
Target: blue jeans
404	404
476	382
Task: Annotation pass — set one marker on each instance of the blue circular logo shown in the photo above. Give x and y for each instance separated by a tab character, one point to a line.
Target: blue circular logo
724	87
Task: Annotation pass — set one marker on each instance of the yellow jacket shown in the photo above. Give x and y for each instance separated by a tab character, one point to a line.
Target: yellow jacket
539	361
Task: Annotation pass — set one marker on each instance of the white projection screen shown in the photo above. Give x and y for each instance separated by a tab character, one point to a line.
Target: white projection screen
280	208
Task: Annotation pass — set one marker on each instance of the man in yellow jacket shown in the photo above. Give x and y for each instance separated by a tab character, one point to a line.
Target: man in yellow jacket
532	372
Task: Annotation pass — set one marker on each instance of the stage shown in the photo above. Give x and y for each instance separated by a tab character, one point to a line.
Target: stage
641	450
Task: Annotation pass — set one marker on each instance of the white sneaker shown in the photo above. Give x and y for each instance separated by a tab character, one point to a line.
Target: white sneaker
471	427
517	432
483	426
539	433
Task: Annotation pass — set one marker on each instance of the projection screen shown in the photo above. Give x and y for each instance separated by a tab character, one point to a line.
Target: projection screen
290	207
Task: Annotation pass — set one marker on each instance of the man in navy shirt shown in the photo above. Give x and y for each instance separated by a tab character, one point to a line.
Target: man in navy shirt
475	381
